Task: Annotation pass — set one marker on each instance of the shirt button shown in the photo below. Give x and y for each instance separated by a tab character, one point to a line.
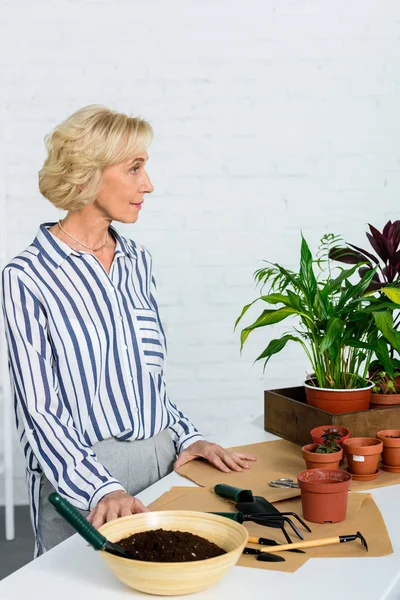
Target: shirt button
121	317
135	410
111	289
130	378
125	347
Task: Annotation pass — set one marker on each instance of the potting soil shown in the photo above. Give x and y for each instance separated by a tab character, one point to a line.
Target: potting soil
160	545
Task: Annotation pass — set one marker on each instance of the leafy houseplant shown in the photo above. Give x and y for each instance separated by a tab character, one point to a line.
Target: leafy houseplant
385	391
326	455
384	261
383	384
330	442
337	326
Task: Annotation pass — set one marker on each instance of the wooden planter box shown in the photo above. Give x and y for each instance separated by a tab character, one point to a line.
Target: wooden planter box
287	414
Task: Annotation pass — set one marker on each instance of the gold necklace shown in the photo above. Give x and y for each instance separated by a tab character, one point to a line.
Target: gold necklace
81	243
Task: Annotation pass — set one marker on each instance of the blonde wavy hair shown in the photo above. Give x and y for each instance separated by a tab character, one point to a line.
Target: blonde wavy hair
78	150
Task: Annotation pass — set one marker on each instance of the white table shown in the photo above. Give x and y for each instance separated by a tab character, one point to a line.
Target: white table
73	571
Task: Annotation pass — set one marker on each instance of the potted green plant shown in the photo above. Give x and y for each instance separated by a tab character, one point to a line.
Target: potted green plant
337	326
383	259
317	433
326	455
385	391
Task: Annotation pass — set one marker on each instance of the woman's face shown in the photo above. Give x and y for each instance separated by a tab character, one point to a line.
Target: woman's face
120	197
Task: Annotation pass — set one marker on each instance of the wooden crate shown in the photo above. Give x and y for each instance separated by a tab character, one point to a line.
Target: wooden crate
287	414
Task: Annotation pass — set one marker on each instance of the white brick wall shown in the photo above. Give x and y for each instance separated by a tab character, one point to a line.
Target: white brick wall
269	117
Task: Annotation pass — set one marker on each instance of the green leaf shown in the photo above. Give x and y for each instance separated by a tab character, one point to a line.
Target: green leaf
270	299
382	354
357	290
359	344
276	346
333	332
378	306
268	317
392	293
306	272
335	284
384	322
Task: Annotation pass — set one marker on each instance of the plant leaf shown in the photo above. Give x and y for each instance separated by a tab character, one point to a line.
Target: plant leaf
270	299
276	346
268	317
306	273
371	256
333	332
346	255
384	322
392	293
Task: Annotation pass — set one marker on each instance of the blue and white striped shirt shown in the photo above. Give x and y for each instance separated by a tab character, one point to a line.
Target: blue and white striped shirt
86	357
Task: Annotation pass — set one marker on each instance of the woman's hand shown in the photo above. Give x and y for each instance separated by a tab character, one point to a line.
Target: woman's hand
113	505
221	458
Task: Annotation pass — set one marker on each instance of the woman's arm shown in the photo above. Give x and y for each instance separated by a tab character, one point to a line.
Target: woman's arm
64	456
183	432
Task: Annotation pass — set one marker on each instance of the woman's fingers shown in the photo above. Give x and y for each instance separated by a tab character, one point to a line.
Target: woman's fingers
100	514
138	507
217	462
224	460
114	505
245	456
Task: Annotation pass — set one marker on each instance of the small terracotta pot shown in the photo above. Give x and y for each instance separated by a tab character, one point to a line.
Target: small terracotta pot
362	454
338	401
324	495
317	433
391	447
384	400
321	461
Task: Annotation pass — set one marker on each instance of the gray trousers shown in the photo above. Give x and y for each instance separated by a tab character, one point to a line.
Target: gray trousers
136	465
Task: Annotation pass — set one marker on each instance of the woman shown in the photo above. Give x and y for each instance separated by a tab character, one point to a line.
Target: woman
86	344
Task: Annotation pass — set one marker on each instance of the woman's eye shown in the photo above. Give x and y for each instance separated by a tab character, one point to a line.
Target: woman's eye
134	168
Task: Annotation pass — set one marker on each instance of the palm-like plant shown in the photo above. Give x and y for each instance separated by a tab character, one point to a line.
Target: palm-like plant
338	326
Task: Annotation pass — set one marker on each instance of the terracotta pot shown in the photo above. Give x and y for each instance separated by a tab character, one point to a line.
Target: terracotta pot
362	454
391	447
324	495
317	432
338	401
384	400
321	461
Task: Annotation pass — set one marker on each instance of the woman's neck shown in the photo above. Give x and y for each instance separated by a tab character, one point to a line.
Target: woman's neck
87	234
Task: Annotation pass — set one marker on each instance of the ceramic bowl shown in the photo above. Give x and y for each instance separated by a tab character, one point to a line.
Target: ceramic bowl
170	579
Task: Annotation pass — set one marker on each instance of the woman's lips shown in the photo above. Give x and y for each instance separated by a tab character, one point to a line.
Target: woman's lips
137	204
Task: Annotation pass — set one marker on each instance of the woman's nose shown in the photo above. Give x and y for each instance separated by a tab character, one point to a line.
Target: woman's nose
148	186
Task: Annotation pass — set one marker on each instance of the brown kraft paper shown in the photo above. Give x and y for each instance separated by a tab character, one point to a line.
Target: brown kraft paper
275	460
362	515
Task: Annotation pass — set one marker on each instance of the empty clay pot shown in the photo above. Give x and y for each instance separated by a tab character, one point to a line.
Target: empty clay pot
338	401
391	447
317	433
362	454
384	400
321	461
324	495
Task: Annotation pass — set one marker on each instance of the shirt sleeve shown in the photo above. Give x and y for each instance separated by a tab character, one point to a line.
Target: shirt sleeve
183	432
66	459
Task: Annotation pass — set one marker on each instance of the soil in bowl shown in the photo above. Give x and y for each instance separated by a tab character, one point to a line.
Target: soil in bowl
160	545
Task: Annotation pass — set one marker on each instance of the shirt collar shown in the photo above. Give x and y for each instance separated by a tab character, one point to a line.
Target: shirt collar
57	251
